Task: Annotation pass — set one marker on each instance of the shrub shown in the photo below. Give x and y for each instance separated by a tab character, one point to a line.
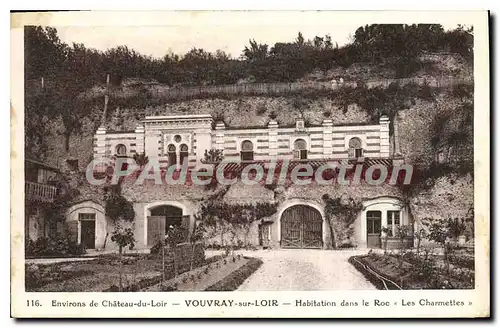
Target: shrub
168	288
53	247
261	110
32	275
346	245
236	278
213	259
156	248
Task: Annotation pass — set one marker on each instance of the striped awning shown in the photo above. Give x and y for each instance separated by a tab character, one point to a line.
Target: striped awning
314	163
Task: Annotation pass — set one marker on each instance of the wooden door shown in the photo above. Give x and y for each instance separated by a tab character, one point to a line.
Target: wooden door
156	229
301	227
373	229
88	233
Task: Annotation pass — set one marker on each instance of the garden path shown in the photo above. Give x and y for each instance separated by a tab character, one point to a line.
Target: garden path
305	269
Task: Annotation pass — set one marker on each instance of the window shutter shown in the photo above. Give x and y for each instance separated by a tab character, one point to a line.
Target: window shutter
72	227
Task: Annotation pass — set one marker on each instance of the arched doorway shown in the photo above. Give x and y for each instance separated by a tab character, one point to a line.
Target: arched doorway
301	227
162	219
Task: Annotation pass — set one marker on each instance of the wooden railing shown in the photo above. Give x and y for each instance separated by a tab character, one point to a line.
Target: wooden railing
40	192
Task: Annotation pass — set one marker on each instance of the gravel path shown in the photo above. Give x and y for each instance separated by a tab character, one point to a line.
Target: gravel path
305	270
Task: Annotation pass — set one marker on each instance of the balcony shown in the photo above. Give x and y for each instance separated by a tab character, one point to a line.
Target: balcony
39	192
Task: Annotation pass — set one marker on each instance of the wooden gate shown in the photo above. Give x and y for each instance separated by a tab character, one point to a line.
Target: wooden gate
301	227
156	229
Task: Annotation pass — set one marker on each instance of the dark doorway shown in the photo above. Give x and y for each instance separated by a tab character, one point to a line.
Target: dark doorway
162	217
88	233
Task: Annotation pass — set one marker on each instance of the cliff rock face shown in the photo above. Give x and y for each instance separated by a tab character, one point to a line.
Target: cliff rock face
450	195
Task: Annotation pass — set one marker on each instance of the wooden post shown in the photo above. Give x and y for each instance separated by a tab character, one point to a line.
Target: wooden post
162	263
106	99
176	265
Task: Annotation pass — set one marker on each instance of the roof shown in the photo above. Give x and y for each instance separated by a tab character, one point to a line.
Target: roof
37	162
177	117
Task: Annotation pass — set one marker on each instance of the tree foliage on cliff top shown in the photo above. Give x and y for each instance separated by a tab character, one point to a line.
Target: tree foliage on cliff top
47	56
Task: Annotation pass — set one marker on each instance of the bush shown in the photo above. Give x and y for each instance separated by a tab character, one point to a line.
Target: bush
53	247
32	275
156	249
347	245
236	278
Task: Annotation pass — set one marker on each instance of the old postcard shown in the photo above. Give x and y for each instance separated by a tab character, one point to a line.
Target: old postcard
271	164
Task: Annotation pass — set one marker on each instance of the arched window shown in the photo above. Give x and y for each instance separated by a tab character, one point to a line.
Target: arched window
355	148
121	150
183	154
300	149
247	150
172	156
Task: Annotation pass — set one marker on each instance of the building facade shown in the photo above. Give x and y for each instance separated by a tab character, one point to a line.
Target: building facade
300	220
173	139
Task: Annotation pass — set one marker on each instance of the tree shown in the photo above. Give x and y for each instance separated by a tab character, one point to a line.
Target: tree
256	52
439	231
401	233
141	159
175	236
123	238
44	53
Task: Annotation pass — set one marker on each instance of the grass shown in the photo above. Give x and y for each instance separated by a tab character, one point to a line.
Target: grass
236	278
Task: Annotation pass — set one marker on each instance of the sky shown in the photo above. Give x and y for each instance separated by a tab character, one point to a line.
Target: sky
157	33
160	40
157	41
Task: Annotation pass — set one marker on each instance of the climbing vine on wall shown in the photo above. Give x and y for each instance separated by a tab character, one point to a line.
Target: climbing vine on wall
56	211
341	213
118	207
224	217
236	213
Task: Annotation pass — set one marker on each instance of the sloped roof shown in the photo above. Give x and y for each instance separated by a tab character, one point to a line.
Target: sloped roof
34	160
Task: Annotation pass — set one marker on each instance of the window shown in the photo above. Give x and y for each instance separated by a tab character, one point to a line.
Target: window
183	154
355	148
172	156
73	164
86	216
300	149
393	222
177	138
247	150
374	222
121	150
